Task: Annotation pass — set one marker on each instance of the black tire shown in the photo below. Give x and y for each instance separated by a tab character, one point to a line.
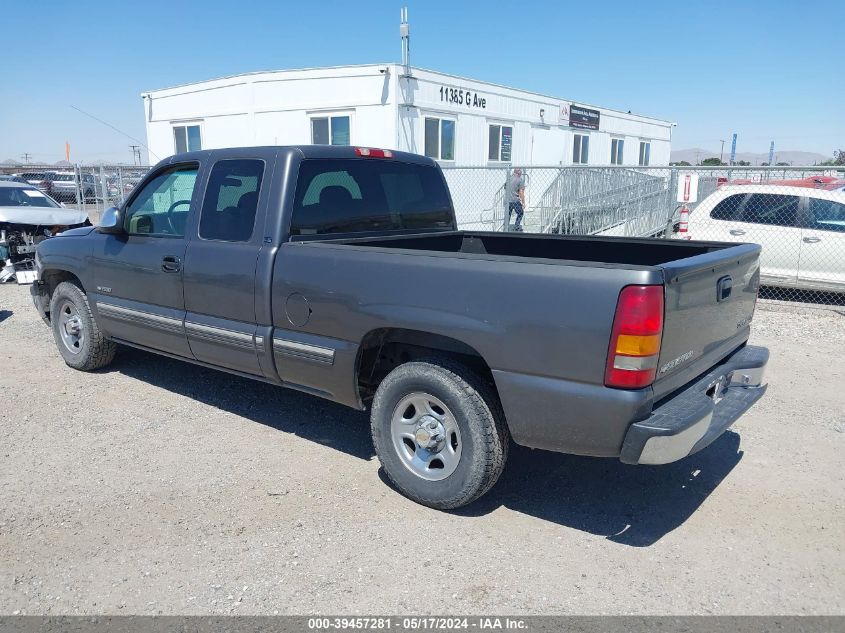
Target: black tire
93	350
483	434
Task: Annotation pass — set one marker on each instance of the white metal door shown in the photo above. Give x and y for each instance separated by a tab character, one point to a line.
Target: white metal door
823	245
760	218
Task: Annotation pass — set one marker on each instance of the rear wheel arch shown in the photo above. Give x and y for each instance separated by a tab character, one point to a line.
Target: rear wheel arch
439	432
383	349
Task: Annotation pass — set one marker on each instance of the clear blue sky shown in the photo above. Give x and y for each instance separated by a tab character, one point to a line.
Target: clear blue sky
768	70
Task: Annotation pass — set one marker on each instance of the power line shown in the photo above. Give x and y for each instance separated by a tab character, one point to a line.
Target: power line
107	124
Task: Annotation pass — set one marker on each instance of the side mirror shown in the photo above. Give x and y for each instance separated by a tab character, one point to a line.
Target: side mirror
111	222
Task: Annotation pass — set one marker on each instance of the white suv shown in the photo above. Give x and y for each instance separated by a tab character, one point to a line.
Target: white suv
801	230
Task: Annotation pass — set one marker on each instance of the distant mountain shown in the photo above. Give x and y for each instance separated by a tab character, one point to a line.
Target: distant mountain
794	157
10	162
63	163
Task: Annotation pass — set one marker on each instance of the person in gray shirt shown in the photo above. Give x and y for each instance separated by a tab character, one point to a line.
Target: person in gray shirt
515	192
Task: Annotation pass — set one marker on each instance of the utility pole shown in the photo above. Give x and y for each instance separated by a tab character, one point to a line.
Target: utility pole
722	152
135	152
26	156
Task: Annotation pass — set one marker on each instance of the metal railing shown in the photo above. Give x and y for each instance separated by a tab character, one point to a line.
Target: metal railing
795	213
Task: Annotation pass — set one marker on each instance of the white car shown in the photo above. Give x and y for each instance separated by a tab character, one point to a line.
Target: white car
801	230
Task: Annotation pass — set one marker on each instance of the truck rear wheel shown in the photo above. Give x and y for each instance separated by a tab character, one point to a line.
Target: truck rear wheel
77	335
439	433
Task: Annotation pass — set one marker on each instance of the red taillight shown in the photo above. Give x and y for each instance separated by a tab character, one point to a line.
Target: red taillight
635	338
370	152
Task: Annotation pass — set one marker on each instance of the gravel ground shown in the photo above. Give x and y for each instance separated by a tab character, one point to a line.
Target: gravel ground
159	487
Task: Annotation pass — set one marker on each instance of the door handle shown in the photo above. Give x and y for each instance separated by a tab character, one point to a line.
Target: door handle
737	232
812	240
171	264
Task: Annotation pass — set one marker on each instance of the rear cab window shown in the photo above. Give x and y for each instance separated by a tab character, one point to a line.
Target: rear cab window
341	196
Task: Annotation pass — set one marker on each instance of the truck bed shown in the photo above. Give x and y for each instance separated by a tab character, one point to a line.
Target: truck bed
596	250
699	329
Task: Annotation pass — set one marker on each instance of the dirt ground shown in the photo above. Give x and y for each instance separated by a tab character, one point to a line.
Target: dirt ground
155	486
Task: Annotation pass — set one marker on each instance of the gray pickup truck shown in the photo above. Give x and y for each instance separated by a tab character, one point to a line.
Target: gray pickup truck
340	271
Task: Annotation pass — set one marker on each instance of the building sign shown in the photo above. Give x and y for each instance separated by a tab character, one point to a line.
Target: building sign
459	96
583	118
507	143
688	188
564	114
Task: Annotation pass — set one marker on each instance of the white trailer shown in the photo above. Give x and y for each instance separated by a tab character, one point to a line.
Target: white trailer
460	122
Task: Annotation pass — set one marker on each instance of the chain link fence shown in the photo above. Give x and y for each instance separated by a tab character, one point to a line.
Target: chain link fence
89	188
797	214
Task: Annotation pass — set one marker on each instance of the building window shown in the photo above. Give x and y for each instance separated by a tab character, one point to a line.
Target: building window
330	130
500	143
187	138
645	153
440	138
617	148
580	149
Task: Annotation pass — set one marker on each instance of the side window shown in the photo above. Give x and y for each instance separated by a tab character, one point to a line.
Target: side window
645	153
727	209
827	215
617	148
499	143
187	138
161	207
580	149
439	138
772	209
330	130
231	200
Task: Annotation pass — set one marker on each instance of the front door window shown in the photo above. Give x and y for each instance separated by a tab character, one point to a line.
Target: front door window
161	207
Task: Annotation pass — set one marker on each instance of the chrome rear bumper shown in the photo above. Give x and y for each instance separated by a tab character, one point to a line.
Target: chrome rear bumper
694	416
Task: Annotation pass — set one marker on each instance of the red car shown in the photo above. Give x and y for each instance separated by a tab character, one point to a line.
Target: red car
811	182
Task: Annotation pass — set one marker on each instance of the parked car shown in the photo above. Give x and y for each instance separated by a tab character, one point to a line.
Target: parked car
43	180
340	272
810	182
13	178
802	231
27	217
67	186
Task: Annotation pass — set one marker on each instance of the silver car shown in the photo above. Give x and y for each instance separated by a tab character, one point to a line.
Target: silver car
28	216
68	187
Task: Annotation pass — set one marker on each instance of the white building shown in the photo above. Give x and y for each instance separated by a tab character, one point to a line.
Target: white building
461	122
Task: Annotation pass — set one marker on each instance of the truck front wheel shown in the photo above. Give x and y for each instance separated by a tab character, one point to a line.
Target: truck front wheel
77	335
439	433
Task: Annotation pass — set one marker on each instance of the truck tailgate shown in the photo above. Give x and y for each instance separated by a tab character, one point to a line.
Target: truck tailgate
709	301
